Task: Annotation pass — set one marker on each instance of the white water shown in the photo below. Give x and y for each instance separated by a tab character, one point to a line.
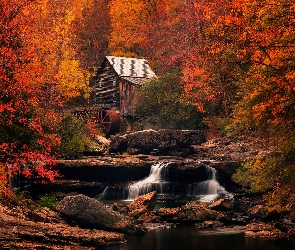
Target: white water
208	191
154	182
102	195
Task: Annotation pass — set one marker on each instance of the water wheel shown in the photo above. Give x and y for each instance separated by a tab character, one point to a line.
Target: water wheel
109	121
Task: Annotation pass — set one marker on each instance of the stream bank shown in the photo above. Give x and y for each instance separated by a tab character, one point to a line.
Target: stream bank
90	175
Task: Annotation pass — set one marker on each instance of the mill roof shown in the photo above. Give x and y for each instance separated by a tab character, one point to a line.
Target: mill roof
134	70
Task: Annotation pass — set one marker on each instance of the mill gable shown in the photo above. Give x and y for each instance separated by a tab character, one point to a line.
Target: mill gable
116	82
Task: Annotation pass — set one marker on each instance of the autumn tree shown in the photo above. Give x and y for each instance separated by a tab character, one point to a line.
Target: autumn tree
266	107
267	92
162	98
216	62
168	33
25	142
160	31
127	18
91	31
55	52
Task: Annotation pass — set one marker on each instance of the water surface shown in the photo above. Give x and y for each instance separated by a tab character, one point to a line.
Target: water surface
189	238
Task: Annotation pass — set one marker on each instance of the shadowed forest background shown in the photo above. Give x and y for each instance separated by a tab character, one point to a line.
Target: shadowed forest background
227	66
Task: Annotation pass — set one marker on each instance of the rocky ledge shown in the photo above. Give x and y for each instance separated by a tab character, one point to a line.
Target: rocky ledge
22	228
80	222
68	229
90	175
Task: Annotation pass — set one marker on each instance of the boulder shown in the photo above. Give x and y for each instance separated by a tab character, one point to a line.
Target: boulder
263	230
240	219
158	141
166	213
195	211
222	205
91	213
209	224
150	217
142	204
262	212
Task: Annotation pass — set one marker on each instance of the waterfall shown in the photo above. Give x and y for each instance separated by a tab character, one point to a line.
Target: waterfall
208	187
154	182
208	191
18	181
102	195
158	180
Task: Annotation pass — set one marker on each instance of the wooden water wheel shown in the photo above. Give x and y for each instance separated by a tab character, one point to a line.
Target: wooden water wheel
109	121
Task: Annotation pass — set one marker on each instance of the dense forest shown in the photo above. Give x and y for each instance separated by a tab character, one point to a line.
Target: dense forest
232	61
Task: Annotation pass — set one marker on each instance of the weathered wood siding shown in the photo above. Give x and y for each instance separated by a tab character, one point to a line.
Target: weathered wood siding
127	98
111	91
106	87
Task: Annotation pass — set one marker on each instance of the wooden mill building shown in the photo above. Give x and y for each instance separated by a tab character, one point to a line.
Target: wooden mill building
114	89
116	83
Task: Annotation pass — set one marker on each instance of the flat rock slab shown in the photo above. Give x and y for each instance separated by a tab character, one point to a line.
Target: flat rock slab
151	140
263	230
21	228
195	211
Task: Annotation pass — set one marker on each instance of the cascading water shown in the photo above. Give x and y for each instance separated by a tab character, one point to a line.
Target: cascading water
102	195
208	191
156	181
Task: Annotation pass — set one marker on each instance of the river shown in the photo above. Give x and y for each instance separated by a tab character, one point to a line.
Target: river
187	237
190	238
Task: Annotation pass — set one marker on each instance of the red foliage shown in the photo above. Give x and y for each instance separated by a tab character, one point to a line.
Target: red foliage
26	141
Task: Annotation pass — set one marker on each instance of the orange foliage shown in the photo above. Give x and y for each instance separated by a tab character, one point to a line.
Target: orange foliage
41	68
53	50
269	87
25	144
92	32
127	17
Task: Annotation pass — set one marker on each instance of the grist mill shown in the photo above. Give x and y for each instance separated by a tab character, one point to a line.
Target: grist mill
114	89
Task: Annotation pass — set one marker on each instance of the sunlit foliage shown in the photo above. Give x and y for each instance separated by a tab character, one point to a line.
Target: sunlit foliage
41	70
26	140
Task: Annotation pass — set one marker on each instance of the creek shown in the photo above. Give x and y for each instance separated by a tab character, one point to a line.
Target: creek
158	180
175	237
190	238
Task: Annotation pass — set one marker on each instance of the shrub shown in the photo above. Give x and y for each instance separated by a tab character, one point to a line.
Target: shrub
163	97
73	139
273	176
48	201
